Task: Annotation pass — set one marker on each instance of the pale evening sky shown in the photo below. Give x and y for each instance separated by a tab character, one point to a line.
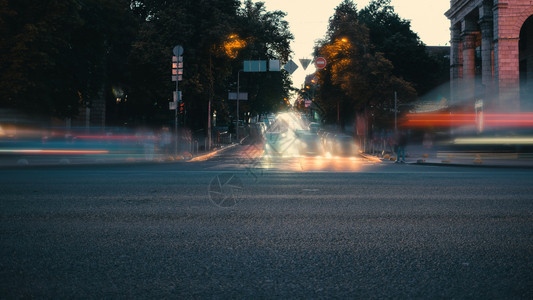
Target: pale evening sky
308	21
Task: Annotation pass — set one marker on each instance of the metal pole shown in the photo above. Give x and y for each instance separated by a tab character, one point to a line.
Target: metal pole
87	118
208	145
178	52
238	97
338	116
176	115
395	113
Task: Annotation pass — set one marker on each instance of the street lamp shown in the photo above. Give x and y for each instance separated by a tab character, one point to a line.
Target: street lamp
230	47
347	41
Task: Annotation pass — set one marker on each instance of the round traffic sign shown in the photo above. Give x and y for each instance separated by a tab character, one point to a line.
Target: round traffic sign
320	63
178	50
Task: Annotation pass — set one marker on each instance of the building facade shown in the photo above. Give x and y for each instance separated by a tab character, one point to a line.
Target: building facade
491	54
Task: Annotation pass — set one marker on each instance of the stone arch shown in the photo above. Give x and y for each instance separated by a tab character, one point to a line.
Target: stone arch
525	58
521	19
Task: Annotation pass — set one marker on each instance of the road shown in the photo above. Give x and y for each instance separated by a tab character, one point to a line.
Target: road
170	230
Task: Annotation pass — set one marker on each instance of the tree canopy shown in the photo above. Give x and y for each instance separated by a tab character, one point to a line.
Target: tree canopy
358	77
59	56
392	36
371	54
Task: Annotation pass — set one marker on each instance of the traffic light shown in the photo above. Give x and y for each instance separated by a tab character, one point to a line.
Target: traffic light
182	108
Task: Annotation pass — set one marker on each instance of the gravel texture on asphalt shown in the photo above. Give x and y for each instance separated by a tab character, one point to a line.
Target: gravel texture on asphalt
152	232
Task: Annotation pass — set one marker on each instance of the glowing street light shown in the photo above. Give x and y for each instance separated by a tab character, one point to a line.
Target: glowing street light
232	45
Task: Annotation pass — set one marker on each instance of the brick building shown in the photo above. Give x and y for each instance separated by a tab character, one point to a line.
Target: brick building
491	53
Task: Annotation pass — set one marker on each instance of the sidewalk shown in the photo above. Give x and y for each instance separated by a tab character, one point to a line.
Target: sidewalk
443	155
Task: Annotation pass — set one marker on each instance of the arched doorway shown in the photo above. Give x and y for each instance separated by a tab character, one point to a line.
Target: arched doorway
526	65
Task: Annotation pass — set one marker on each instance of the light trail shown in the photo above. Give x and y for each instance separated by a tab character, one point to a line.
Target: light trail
494	141
52	151
524	120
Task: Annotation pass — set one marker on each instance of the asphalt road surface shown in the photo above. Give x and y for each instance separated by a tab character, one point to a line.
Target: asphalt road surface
228	228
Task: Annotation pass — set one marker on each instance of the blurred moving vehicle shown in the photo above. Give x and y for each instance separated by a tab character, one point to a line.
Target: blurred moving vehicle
300	132
314	127
273	143
310	145
339	144
344	145
327	141
262	127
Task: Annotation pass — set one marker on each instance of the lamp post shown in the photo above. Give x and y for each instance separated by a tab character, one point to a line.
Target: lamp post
232	45
238	97
395	113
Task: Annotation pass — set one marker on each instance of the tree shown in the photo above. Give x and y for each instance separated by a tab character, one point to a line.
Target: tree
357	78
37	59
59	55
393	36
200	27
217	36
269	38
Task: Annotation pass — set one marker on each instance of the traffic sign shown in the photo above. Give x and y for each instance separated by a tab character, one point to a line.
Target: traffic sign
178	50
242	96
305	62
173	105
273	65
177	65
255	66
290	66
320	63
176	96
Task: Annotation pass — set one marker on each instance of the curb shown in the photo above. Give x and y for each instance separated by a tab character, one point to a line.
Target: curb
371	157
447	164
208	155
472	165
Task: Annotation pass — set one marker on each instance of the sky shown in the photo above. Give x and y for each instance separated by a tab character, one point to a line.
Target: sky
308	21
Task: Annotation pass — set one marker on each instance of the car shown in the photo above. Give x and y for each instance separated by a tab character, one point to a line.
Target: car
300	132
314	127
343	145
273	143
310	145
262	126
327	142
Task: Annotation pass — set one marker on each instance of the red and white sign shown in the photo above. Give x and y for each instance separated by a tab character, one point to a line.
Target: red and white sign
320	63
